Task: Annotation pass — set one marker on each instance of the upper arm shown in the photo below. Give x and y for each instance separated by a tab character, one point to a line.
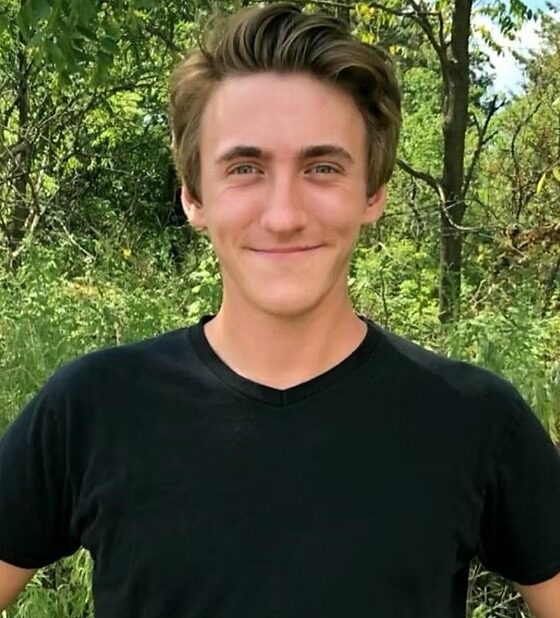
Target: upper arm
12	581
543	598
36	498
519	532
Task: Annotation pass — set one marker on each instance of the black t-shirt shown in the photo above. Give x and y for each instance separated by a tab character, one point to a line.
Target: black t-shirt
365	491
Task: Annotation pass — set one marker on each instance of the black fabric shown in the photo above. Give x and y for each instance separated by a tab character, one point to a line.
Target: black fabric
363	492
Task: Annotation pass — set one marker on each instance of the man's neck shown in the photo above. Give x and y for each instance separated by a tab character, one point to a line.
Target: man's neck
282	352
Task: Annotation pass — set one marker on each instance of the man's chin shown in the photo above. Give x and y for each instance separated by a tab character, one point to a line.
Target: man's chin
285	307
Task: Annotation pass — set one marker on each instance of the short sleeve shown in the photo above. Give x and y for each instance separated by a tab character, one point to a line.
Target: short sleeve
520	532
35	497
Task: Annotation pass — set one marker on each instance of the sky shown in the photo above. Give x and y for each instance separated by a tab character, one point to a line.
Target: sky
508	75
536	4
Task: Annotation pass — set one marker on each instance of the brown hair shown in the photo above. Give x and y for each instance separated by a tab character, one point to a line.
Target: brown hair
280	38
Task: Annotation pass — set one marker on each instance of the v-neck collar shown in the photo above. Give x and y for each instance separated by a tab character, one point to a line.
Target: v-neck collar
274	396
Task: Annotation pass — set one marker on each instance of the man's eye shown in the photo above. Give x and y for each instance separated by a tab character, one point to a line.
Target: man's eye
324	168
243	169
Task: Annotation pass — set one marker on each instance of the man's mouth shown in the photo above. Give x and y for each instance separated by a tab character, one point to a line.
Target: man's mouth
285	250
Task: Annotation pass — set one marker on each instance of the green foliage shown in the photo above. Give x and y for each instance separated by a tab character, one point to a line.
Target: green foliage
397	283
62	590
509	18
111	260
206	288
492	597
62	304
515	341
73	36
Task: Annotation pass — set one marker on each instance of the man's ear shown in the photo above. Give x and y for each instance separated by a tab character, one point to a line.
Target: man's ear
375	205
193	210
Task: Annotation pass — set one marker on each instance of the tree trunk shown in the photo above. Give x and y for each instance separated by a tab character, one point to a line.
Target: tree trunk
455	115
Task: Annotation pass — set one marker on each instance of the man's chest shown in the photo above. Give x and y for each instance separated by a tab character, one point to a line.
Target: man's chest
236	519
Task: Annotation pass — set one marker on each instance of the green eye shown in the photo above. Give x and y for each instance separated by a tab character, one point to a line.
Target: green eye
243	169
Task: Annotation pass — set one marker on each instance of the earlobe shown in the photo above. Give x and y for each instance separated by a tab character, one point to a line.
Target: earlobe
375	205
193	209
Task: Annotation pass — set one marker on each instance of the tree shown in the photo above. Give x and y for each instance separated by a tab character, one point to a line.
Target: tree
521	172
75	37
446	27
59	142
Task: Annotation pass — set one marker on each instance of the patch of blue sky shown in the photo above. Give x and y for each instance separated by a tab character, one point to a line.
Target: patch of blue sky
536	4
505	69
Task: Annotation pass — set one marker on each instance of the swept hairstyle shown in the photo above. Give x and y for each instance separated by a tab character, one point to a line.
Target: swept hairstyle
281	38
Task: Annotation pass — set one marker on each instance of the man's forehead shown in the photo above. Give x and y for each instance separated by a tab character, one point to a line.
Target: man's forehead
294	116
268	95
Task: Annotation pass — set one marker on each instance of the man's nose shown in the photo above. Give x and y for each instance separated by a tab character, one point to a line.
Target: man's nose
284	211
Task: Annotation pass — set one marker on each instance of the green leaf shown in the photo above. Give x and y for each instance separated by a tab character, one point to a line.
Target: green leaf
4	21
85	33
108	45
37	39
64	43
24	21
520	9
55	55
87	14
541	182
40	9
556	173
104	62
29	15
81	56
113	30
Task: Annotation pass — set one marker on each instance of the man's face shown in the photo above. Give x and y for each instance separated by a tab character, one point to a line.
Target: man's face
283	190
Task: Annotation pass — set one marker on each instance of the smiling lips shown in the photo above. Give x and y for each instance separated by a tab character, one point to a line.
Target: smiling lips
285	250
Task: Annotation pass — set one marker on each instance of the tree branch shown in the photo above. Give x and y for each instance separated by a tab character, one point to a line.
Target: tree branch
521	198
482	140
12	151
419	17
427	178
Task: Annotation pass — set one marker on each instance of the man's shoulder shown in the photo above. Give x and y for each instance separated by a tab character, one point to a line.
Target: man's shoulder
425	372
469	405
118	365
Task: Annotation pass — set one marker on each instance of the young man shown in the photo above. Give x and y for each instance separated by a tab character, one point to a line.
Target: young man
285	457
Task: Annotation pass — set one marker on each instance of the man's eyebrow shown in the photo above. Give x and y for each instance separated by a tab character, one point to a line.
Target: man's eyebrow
253	152
322	150
309	152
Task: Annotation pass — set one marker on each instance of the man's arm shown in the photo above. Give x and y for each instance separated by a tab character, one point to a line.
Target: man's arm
544	598
12	582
